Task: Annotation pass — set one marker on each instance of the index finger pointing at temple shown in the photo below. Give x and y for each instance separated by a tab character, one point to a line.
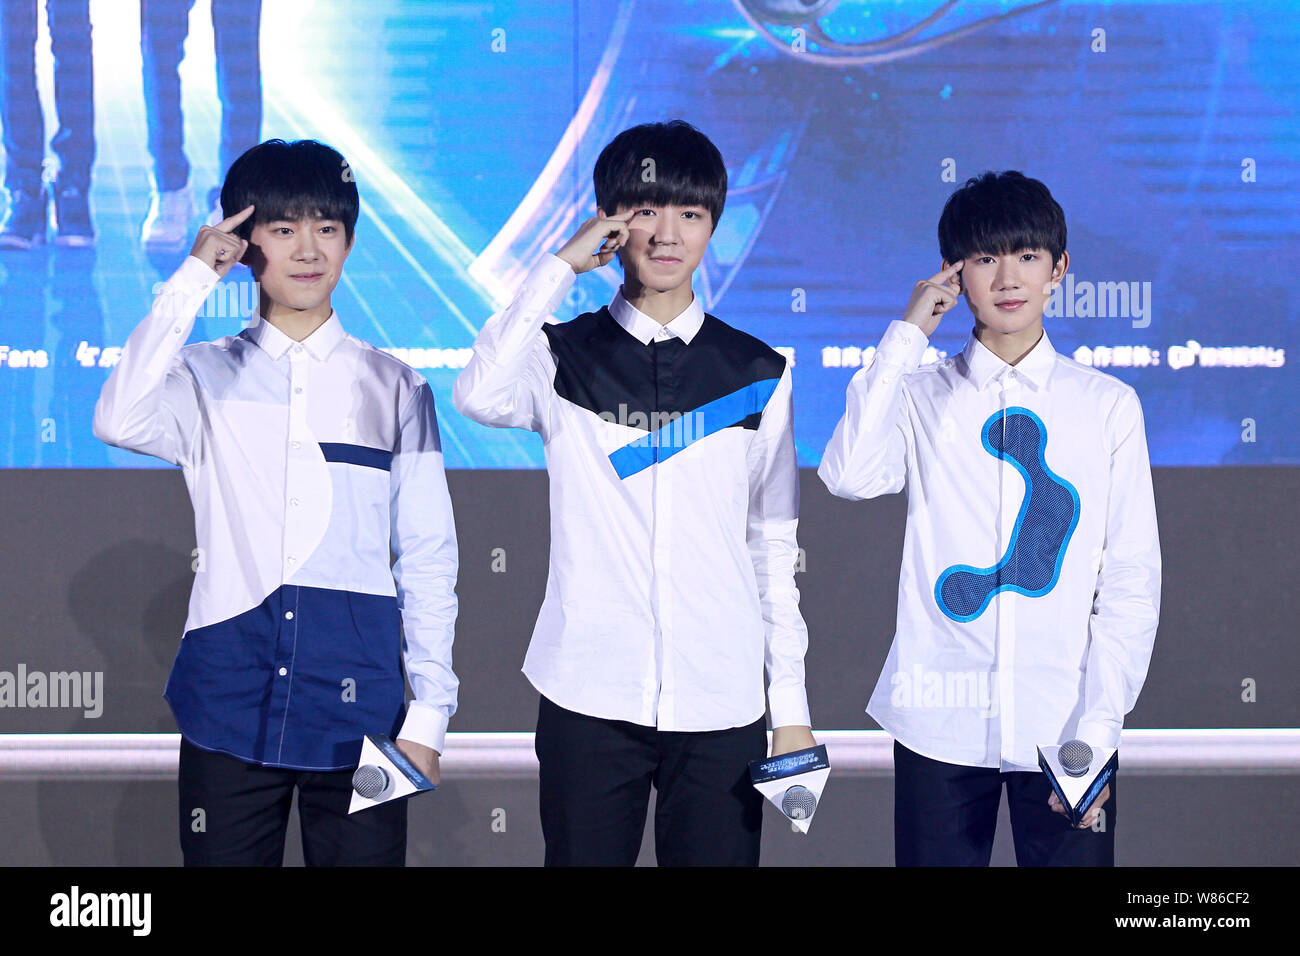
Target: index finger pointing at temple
235	221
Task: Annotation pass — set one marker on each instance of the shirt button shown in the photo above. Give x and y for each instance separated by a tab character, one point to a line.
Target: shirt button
292	559
283	671
177	329
298	389
297	444
288	615
294	502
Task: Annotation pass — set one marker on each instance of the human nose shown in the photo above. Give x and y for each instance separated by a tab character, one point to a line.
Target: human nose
666	232
1007	275
307	248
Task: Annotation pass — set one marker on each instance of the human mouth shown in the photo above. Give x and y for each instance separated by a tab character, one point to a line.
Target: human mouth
307	278
1010	305
665	260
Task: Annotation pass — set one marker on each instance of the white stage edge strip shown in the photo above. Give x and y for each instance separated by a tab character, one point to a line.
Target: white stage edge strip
855	753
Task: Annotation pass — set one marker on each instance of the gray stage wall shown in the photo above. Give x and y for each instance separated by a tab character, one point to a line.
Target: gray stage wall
95	575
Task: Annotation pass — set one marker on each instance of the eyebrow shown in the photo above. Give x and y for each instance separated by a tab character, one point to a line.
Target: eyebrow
1019	252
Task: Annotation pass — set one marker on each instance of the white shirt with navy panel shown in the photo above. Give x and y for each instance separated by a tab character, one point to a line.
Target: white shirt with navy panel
307	464
674	503
1030	585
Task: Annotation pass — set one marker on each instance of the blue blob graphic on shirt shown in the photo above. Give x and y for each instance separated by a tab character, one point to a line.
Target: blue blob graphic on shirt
1048	516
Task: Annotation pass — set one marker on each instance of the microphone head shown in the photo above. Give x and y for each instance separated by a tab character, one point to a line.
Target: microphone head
799	803
1075	757
370	781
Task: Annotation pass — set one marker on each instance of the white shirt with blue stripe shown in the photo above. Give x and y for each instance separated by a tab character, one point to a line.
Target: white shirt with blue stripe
674	498
310	464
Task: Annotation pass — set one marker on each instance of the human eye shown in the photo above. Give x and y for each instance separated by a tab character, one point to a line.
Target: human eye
1027	256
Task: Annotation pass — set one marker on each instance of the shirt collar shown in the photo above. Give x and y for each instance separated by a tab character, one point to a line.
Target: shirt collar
643	328
982	366
318	345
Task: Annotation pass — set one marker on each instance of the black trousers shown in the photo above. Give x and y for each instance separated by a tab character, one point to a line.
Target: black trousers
234	813
945	815
595	780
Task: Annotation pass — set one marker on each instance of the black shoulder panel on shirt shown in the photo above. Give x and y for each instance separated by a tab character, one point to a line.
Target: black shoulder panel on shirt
601	367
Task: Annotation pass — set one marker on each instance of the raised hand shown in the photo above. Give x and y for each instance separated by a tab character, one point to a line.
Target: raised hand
932	297
596	242
218	246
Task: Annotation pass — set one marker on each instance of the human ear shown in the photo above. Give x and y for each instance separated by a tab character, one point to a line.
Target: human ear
1059	269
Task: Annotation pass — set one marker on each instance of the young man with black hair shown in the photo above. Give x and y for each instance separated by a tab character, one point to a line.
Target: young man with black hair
1030	585
674	506
309	456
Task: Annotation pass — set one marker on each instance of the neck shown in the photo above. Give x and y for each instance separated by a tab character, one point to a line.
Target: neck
295	323
663	307
1010	347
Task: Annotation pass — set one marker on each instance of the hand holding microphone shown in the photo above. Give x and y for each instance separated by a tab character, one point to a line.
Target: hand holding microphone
1080	780
424	758
386	772
793	782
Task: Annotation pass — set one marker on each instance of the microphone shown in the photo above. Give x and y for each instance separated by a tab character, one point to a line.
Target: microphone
384	773
799	803
1076	757
793	782
1078	774
371	781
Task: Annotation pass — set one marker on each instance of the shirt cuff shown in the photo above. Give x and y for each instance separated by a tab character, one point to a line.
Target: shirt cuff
195	272
549	279
511	331
789	707
425	725
902	344
1099	735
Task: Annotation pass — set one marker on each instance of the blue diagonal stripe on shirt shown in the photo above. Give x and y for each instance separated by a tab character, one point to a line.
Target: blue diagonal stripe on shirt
357	454
666	441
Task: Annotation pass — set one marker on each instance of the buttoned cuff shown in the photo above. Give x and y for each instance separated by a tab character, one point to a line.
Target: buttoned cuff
195	272
176	306
789	706
549	280
903	344
425	725
1098	734
540	294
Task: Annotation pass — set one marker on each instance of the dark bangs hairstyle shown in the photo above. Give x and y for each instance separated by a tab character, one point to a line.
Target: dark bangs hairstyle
291	181
687	171
1000	214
